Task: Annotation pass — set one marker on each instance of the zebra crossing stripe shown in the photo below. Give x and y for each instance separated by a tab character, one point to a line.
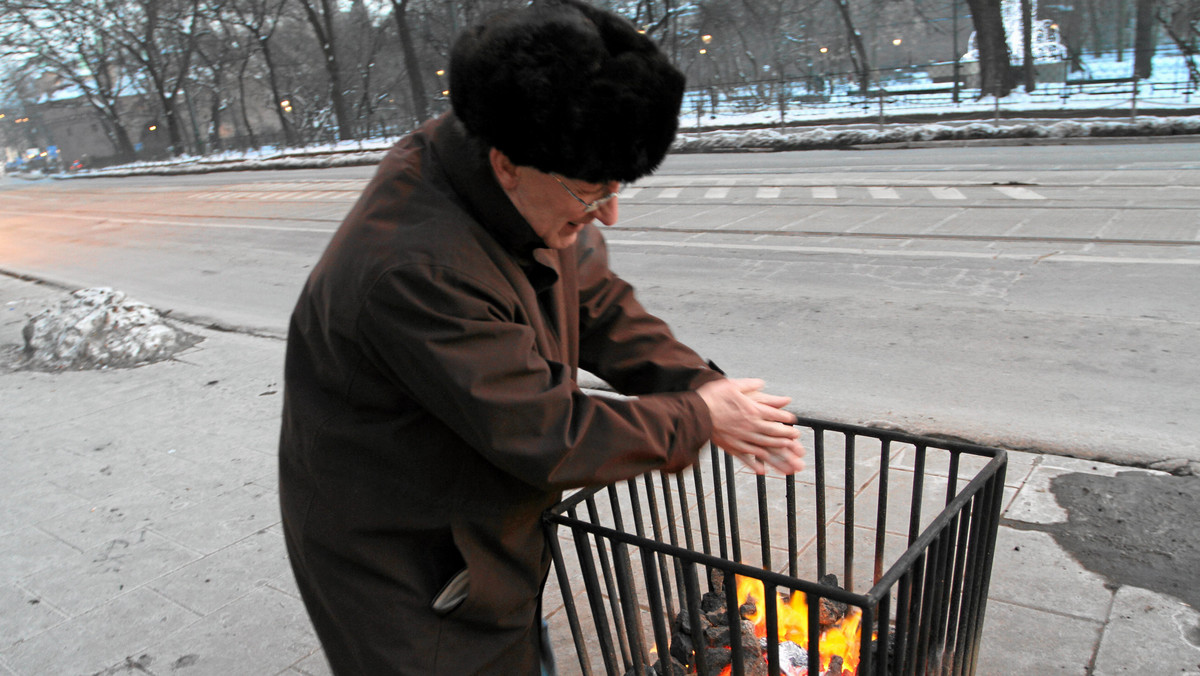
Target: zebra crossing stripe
716	193
629	193
1018	192
824	193
947	193
882	193
670	193
765	193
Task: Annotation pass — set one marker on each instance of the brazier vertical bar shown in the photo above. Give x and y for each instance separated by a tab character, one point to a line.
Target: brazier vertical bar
692	584
914	614
848	539
940	592
764	522
737	655
701	506
657	525
772	609
719	498
903	600
970	586
819	476
814	633
956	589
992	502
918	494
885	459
606	567
673	531
928	608
952	476
883	637
865	658
630	607
564	584
792	525
599	612
658	613
735	531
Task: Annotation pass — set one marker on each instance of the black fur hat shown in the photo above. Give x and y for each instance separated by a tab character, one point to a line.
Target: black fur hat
567	88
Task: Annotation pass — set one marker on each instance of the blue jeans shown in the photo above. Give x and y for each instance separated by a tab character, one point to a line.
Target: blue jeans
547	653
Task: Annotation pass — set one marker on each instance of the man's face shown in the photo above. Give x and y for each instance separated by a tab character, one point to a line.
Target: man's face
546	201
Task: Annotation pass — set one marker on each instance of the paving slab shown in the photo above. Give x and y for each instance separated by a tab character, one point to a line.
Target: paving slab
1149	633
1021	640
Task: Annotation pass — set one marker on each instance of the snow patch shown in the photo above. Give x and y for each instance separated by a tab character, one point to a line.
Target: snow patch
100	328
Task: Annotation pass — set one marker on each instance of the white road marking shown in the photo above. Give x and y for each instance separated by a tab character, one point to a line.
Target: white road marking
716	193
824	193
947	194
629	193
882	193
118	220
766	193
1053	257
1018	193
670	193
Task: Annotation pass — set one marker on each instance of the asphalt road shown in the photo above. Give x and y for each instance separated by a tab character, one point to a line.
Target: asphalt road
1039	297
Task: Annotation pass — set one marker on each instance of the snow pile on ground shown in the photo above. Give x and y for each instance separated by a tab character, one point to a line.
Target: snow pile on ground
777	138
823	138
100	328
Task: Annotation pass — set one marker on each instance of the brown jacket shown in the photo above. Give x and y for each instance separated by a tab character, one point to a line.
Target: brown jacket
431	412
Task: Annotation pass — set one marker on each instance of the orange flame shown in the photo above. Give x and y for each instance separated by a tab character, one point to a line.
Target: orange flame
842	639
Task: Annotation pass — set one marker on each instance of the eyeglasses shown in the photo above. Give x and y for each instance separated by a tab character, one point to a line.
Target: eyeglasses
588	207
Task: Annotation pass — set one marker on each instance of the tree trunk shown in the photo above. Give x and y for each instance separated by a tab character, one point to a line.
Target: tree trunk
322	25
1181	21
1027	30
412	62
861	64
995	69
251	139
289	134
1143	41
1120	24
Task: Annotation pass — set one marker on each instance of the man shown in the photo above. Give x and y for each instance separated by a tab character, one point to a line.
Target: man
431	410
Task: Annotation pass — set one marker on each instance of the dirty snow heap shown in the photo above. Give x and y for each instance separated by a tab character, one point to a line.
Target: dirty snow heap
100	328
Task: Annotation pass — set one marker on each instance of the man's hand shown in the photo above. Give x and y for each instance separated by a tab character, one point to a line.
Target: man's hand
752	425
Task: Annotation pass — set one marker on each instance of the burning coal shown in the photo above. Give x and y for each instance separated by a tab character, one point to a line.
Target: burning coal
839	633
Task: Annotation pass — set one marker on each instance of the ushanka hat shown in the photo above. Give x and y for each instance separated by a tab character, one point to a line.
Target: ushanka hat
567	88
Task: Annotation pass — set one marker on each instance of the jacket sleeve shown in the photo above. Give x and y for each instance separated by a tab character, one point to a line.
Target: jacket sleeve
620	341
464	353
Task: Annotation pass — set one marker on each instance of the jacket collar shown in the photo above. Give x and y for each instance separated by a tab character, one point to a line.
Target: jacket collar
466	165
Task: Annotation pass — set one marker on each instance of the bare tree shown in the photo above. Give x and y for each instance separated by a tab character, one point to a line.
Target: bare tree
412	62
1143	42
261	19
1180	20
858	53
1027	55
322	17
995	68
160	36
67	40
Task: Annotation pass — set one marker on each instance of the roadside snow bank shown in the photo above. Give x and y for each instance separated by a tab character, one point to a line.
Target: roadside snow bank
100	328
822	138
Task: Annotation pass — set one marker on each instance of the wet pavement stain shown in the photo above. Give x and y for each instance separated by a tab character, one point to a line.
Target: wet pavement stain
1134	529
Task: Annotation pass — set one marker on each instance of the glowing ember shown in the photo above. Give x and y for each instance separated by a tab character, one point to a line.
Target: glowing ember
839	642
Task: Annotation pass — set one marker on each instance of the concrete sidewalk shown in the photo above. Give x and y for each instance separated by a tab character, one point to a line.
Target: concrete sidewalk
140	533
